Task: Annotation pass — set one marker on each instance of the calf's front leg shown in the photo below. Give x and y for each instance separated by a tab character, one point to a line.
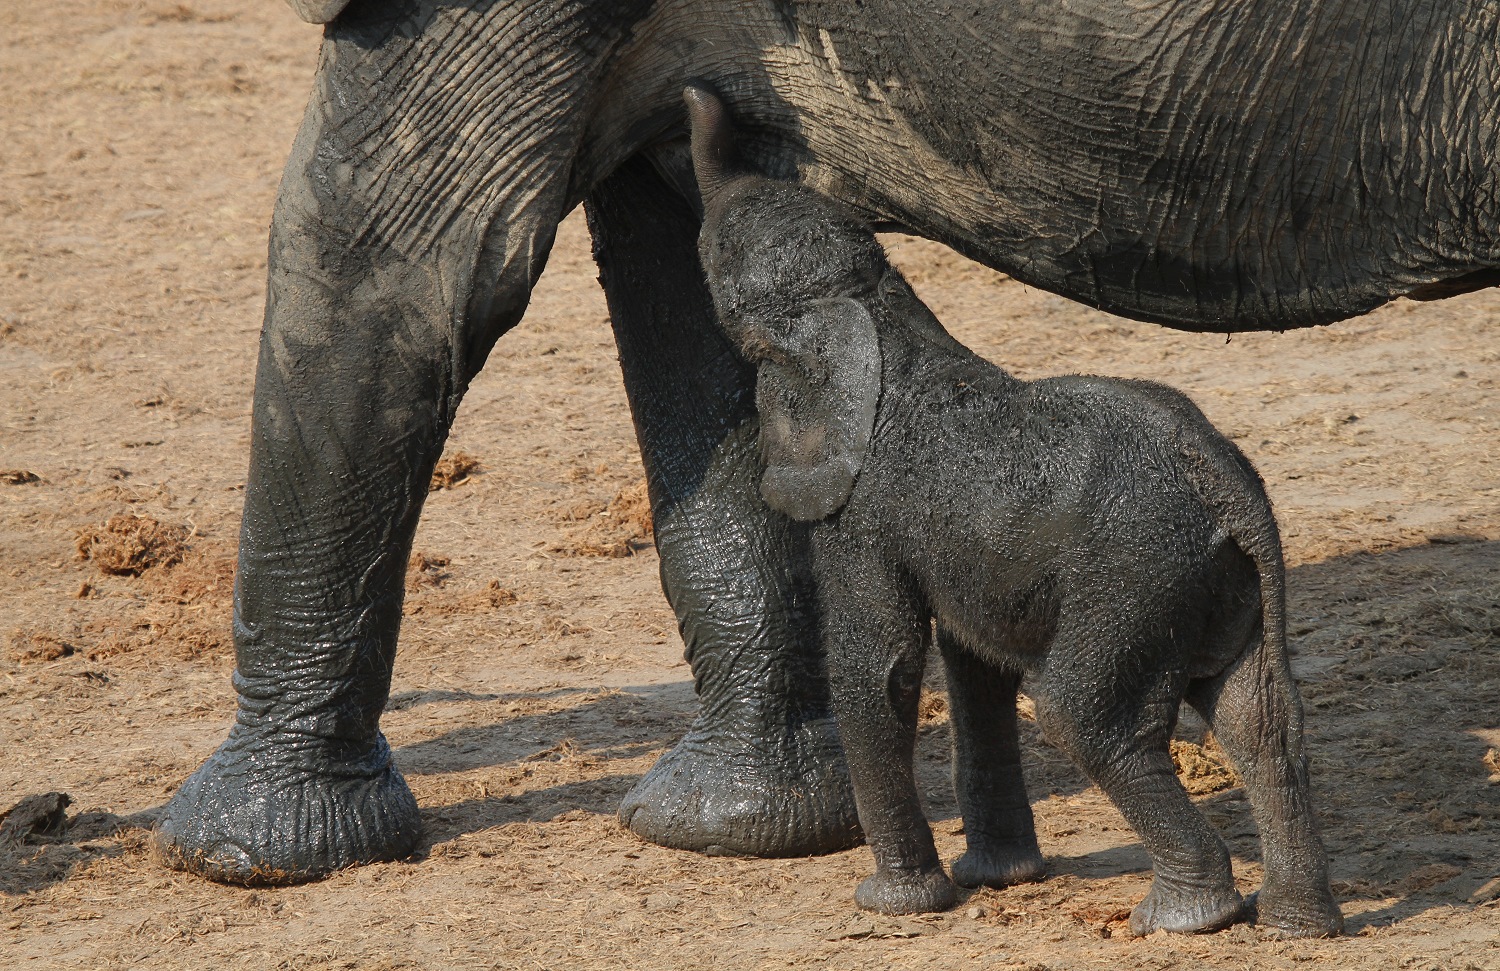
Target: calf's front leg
998	824
877	639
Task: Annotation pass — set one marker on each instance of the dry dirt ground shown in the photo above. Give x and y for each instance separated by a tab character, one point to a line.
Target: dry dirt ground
539	676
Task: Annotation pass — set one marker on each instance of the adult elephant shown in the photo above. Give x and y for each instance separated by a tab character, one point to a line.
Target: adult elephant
1209	164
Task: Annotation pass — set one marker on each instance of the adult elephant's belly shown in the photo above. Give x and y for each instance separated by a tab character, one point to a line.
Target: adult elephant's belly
1180	165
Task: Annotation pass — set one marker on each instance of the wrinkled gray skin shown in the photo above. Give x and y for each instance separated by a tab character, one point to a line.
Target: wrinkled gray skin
1096	535
1205	163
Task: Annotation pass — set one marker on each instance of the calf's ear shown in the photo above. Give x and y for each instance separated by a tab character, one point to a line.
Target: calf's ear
817	399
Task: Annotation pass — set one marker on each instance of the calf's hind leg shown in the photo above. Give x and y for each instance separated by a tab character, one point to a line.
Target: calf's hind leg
998	825
1256	716
1117	728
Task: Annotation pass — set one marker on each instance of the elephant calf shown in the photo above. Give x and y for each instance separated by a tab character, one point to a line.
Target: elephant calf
1097	535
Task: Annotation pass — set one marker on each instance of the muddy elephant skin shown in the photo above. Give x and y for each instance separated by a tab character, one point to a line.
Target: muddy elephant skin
1205	163
1096	536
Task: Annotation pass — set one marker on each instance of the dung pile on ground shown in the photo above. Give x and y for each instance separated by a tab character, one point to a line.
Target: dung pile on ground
1202	768
40	815
453	471
932	706
33	647
623	527
178	607
202	576
425	570
129	545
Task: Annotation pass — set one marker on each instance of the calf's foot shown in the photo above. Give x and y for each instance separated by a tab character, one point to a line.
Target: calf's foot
264	811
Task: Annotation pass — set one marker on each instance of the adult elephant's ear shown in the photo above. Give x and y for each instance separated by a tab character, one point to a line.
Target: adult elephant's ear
817	392
318	11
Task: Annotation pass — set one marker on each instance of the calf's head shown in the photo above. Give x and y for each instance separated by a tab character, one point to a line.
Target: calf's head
796	279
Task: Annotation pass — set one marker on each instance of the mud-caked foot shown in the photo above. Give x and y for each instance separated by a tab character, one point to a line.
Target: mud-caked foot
269	811
1290	915
999	865
721	795
1185	910
903	892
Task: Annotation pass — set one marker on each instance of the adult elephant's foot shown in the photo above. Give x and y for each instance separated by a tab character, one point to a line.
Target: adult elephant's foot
1290	914
1182	909
899	892
721	792
999	864
273	811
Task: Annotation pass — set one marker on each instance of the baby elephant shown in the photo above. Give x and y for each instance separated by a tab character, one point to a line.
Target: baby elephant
1097	535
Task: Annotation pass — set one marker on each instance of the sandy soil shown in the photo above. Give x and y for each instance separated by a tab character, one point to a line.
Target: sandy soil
540	676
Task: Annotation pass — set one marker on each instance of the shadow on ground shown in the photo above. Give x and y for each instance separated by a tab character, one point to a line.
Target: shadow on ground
1399	659
1398	654
39	861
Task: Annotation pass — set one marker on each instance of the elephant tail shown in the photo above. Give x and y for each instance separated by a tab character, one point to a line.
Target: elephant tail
1261	541
1235	493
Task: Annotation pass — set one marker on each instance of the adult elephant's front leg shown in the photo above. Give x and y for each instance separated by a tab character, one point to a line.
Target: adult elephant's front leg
761	771
346	426
395	262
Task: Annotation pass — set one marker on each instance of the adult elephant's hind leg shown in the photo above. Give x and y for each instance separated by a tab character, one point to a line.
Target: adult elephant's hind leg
761	771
